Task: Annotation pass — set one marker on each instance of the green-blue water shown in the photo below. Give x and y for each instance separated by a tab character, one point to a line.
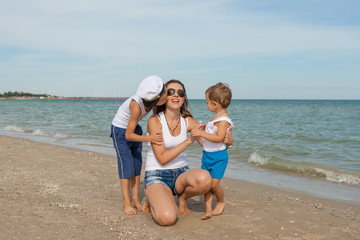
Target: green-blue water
290	143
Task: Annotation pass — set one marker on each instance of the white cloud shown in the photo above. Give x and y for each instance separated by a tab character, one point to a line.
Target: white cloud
77	43
159	31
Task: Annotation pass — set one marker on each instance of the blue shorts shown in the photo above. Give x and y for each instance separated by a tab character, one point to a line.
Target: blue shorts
165	177
215	163
128	153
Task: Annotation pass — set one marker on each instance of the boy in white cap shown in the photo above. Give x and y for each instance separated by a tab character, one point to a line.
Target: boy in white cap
127	137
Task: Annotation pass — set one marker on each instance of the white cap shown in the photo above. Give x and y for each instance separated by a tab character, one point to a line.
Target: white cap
150	88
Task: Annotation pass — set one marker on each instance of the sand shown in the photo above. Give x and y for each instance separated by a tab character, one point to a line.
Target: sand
53	192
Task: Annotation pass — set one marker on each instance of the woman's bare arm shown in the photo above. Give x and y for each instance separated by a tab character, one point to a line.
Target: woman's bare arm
162	155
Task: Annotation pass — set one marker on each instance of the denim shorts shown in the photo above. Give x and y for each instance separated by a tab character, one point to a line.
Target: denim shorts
165	177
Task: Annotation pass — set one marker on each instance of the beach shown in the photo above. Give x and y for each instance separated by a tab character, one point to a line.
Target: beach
55	192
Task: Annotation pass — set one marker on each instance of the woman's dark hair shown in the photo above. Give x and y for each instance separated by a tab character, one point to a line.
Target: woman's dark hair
184	108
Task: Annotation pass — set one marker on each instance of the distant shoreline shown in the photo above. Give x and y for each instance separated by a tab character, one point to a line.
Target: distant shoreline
121	98
58	98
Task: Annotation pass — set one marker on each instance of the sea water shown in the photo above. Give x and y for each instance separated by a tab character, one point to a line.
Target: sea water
309	146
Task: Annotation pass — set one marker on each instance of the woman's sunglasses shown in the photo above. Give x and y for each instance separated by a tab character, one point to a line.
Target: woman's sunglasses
172	91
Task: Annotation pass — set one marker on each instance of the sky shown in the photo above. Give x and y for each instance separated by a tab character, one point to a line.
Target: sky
264	49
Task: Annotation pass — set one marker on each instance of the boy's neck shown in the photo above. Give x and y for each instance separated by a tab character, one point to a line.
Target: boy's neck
219	113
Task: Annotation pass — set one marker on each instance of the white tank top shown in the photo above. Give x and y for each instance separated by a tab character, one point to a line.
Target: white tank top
170	142
211	128
122	116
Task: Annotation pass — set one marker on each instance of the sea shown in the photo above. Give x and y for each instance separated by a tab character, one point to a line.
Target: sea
306	146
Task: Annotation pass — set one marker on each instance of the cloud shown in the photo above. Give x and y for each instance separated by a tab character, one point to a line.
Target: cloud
65	45
160	31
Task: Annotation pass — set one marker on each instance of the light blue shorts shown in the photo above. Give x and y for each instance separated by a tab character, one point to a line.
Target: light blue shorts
165	177
215	163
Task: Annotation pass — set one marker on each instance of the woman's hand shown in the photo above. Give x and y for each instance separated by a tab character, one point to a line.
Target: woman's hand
190	140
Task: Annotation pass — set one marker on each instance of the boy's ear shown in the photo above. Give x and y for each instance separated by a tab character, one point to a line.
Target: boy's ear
215	104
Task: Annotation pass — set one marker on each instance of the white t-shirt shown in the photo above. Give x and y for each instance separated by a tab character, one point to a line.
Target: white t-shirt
121	119
211	128
170	142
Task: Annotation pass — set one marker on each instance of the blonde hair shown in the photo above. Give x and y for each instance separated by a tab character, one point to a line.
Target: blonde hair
220	93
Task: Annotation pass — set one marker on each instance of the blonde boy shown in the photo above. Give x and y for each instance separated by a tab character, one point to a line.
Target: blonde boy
215	156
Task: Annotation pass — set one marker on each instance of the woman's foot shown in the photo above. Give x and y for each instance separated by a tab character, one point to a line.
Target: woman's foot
146	207
184	211
138	206
219	208
183	207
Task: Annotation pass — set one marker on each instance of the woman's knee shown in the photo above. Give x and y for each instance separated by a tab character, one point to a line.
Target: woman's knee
204	180
162	204
166	217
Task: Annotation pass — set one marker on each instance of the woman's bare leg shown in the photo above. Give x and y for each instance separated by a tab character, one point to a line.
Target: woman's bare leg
162	204
191	183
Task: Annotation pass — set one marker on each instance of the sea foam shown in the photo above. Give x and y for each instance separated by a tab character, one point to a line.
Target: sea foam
12	128
257	159
37	132
340	177
307	169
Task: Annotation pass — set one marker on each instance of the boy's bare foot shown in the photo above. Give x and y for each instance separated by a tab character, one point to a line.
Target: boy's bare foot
129	210
206	216
219	208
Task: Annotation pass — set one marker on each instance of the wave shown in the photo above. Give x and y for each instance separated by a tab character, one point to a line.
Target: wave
37	132
12	128
306	169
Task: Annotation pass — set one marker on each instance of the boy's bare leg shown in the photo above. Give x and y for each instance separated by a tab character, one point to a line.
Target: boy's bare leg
135	185
125	190
208	205
219	193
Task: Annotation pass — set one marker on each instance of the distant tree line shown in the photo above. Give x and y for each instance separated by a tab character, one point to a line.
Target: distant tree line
21	94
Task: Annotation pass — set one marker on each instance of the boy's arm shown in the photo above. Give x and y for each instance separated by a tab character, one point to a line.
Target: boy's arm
130	134
218	137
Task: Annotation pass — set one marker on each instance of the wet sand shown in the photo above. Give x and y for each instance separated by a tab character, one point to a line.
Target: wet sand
53	192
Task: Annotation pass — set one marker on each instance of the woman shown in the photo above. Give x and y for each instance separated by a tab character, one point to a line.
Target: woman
167	172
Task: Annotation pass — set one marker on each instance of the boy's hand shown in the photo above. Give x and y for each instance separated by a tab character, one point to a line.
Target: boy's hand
201	125
156	138
228	137
197	130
